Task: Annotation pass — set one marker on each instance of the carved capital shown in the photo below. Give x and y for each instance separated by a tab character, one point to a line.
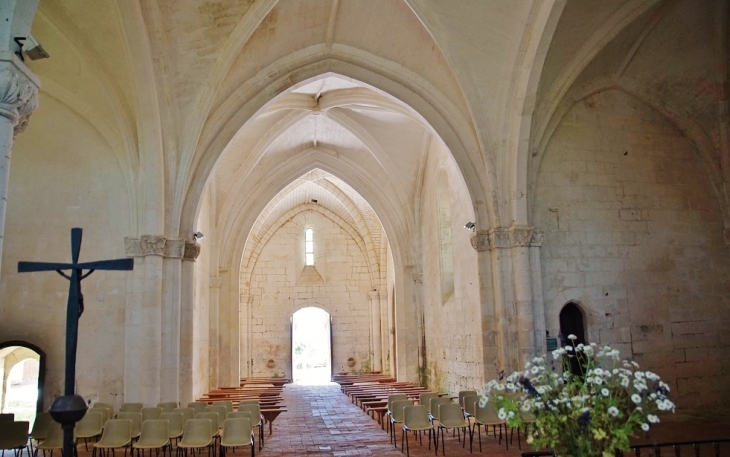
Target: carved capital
172	248
515	236
537	238
175	248
18	91
520	235
374	296
192	250
499	238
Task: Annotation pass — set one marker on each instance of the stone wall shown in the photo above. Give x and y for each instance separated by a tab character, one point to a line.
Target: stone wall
59	179
634	235
280	284
453	353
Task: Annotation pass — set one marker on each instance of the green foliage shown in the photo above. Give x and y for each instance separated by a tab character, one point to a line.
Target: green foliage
590	414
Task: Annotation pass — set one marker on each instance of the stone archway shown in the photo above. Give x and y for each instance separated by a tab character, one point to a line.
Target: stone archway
14	352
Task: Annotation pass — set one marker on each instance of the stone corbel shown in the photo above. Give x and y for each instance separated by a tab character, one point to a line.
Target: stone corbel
192	250
215	281
480	241
18	91
374	296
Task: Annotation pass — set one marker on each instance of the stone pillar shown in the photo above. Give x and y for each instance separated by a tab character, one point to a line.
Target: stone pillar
408	311
383	314
18	99
246	326
375	349
214	335
155	351
512	311
230	352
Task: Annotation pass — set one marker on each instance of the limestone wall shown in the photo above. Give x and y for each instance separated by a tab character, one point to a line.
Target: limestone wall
60	178
634	234
453	353
280	285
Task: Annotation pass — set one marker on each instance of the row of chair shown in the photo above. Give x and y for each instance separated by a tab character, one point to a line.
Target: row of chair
94	423
198	433
437	414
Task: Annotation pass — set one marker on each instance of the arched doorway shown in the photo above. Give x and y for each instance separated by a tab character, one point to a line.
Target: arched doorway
311	346
23	371
571	323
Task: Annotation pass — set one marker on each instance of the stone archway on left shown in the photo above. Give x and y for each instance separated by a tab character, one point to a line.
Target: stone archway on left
14	352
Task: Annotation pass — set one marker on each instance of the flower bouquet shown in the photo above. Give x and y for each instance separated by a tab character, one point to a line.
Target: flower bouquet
591	413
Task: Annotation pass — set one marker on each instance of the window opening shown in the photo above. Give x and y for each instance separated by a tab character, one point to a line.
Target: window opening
309	247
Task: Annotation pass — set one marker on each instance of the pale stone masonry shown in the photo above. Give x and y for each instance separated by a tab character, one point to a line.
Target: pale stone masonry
585	145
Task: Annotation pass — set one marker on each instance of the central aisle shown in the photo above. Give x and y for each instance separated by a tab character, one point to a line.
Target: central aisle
321	420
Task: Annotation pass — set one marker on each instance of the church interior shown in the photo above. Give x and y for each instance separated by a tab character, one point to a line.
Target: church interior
453	186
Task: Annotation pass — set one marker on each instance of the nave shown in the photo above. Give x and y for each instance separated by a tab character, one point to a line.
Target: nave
321	420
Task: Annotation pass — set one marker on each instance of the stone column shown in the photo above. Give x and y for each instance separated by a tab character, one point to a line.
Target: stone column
155	345
18	99
246	326
215	331
513	320
375	350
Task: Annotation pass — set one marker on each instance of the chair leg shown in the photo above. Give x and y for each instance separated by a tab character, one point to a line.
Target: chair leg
408	450
403	436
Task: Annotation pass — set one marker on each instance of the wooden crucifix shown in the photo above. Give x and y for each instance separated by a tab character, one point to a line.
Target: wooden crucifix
74	309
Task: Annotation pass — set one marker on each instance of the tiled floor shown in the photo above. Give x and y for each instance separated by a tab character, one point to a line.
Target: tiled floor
320	420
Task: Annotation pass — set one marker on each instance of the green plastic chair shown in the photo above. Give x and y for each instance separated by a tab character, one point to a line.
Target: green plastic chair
227	404
167	406
136	419
425	399
237	432
451	416
256	419
53	440
150	413
486	416
187	413
466	393
131	407
90	426
221	410
175	421
14	436
155	435
415	419
198	434
117	434
198	406
396	417
39	432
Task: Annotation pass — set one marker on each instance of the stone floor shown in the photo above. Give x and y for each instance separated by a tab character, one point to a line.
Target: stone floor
322	421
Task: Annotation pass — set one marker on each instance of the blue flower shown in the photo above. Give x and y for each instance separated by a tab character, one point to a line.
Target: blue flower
584	419
527	385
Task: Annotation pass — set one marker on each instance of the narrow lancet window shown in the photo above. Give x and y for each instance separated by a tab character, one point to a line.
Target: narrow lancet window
309	247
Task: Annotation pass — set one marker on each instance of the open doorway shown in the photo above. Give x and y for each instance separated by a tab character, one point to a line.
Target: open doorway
311	346
21	366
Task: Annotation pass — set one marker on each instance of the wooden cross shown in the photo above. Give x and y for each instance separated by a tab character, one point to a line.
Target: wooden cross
75	306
